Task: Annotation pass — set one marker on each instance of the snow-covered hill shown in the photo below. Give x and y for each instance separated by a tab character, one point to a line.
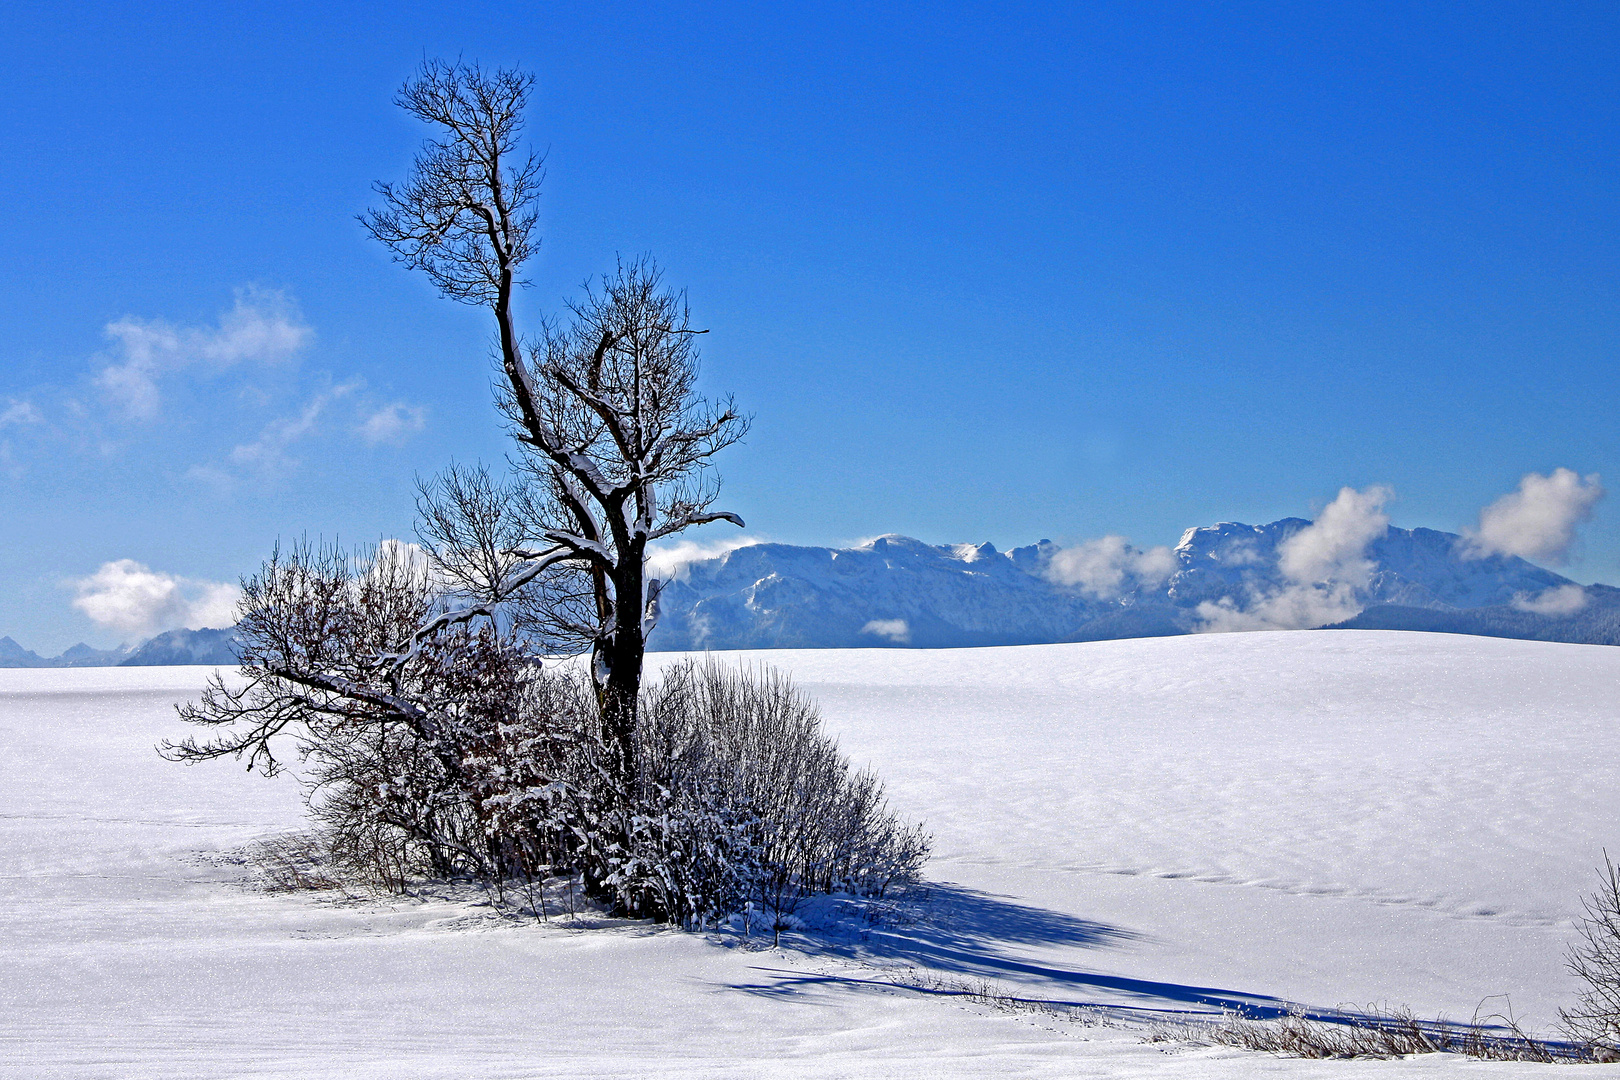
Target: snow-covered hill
895	591
1157	825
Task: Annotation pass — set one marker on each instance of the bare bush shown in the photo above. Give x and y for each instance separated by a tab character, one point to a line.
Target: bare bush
1390	1034
413	765
1595	960
462	754
743	798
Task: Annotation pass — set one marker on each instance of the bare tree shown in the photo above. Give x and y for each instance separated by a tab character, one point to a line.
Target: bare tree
614	442
434	738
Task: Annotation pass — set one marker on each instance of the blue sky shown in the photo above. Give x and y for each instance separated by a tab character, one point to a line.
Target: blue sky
980	273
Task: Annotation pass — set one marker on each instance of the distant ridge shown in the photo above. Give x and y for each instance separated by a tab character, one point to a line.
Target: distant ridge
1598	624
187	647
171	647
13	655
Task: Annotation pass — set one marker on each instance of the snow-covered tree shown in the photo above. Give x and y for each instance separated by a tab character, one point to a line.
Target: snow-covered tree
409	680
614	441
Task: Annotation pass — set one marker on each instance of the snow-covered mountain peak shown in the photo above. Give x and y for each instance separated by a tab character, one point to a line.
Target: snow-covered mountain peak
1232	543
898	543
969	553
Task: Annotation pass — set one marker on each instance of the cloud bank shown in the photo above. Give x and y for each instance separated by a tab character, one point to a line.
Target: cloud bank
1537	521
1333	548
132	598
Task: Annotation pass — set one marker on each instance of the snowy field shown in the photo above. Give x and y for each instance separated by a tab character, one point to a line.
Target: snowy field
1163	825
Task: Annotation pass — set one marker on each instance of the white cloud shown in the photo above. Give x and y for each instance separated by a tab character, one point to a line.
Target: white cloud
393	423
701	626
1109	567
1323	564
1240	553
1333	548
263	326
670	561
408	556
894	630
133	386
1298	607
1559	600
19	412
131	598
407	552
216	478
269	451
1538	521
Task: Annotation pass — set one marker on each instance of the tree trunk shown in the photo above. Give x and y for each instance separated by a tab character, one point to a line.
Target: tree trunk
623	653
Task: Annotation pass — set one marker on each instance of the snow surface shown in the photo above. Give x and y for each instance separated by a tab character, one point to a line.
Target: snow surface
1322	817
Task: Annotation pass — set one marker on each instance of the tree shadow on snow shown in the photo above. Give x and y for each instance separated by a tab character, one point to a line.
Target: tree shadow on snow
960	935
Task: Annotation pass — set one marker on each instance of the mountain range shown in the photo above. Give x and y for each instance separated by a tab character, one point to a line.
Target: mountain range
896	592
171	647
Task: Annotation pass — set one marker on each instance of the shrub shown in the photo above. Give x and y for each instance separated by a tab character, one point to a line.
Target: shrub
1595	960
744	799
740	798
460	753
420	752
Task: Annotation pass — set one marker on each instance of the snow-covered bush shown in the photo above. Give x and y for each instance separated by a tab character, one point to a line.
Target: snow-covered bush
462	753
743	798
418	750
